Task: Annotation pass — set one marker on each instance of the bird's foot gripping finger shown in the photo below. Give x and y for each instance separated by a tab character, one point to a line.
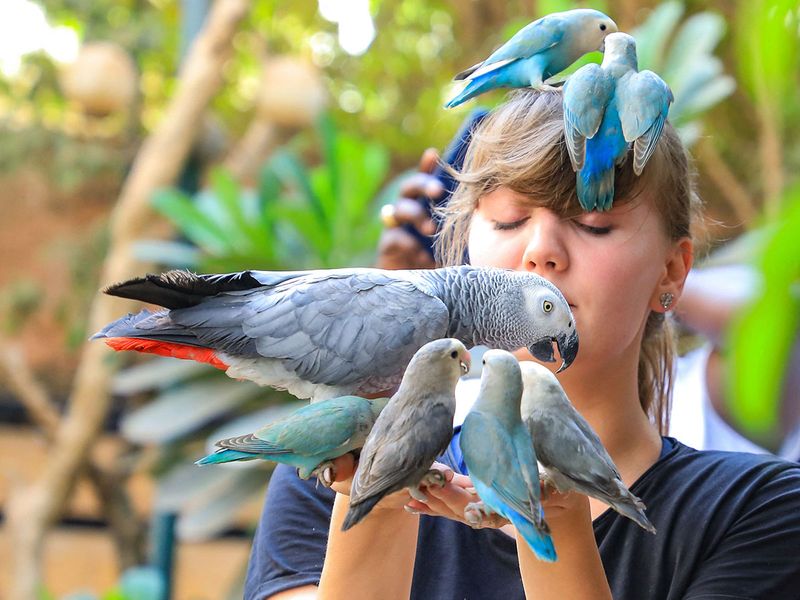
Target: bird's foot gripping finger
548	485
433	477
475	513
326	473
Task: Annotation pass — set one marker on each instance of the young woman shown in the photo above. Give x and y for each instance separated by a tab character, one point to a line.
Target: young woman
728	524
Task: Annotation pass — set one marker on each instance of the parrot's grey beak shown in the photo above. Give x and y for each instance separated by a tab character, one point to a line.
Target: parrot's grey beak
568	349
543	350
602	47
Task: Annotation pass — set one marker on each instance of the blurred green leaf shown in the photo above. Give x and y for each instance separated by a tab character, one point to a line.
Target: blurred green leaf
190	220
763	334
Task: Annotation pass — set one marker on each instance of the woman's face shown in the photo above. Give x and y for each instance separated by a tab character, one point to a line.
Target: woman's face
608	265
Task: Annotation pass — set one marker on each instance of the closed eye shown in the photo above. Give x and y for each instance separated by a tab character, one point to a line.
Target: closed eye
500	226
593	230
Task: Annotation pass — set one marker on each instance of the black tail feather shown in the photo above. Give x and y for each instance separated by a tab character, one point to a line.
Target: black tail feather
181	289
356	513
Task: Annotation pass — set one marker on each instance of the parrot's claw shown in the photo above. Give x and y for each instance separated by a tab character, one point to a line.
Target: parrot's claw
475	512
433	477
548	485
417	494
326	474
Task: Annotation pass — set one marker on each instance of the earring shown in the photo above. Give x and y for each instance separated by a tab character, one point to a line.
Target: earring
666	300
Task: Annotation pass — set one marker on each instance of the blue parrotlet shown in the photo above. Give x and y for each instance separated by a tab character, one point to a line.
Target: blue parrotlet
537	52
500	455
308	439
607	107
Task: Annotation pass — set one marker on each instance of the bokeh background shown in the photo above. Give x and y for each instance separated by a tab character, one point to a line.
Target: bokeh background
140	135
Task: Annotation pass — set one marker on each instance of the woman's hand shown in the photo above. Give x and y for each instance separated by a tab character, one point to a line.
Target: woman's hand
345	467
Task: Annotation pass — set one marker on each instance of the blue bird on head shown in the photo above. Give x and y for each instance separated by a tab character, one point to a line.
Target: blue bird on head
537	52
607	107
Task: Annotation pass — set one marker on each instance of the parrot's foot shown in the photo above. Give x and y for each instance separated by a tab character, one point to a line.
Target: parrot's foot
433	477
548	485
326	474
475	513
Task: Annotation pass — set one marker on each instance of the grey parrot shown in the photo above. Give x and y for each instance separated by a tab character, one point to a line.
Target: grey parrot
415	427
328	333
307	439
570	452
500	456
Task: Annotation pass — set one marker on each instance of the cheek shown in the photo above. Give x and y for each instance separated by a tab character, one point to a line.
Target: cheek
488	248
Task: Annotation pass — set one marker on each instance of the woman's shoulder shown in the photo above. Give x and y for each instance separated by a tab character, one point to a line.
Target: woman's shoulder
716	473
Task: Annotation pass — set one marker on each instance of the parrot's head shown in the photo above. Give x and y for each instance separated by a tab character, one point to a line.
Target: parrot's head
592	27
500	363
538	383
549	320
620	47
448	354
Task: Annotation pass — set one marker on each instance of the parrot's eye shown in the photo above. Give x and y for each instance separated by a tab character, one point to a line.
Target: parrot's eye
454	354
602	27
547	306
483	362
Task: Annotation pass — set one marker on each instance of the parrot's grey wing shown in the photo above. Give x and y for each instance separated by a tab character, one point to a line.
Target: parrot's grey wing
643	101
569	445
586	94
491	456
532	39
340	329
319	428
402	443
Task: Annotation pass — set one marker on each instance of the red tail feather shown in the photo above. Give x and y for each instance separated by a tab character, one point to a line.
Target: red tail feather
185	351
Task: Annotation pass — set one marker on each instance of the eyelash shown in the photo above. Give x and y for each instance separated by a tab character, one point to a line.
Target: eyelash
594	230
499	226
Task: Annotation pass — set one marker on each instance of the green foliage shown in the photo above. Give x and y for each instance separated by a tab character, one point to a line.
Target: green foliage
764	333
682	54
298	217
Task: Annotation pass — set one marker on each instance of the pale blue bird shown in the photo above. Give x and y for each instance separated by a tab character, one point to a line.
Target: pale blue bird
571	454
537	52
308	439
606	108
500	455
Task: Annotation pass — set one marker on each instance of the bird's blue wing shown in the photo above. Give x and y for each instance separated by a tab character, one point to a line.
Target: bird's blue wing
491	457
532	39
643	100
586	94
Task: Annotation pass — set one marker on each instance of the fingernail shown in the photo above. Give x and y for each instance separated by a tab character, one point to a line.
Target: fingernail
410	510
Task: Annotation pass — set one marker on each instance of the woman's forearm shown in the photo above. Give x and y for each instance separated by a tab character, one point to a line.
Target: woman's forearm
577	574
374	559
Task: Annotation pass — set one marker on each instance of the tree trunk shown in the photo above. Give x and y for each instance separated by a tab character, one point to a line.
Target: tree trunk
32	509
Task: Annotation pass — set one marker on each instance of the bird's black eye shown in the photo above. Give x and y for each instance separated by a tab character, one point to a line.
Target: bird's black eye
483	362
602	27
454	354
570	324
547	306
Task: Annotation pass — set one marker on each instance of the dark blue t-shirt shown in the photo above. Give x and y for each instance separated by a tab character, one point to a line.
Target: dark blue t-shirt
728	528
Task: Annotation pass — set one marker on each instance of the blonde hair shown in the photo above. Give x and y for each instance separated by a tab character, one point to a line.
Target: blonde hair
520	145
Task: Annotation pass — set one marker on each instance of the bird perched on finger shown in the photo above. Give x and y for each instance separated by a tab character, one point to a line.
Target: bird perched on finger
537	52
607	107
308	439
329	333
500	456
415	427
571	454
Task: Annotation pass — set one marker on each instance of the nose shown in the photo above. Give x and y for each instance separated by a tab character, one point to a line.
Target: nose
545	251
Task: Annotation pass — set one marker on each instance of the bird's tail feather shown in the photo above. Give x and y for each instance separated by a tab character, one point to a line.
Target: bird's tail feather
359	511
224	456
596	190
630	506
540	542
482	83
181	289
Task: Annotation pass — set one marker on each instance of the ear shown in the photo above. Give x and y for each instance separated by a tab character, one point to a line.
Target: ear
677	266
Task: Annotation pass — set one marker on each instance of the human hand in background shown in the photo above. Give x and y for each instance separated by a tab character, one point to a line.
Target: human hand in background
399	247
